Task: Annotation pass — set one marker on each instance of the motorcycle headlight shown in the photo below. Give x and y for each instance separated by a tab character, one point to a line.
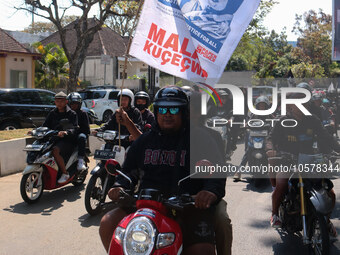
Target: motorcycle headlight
119	234
258	145
139	237
109	135
165	239
258	155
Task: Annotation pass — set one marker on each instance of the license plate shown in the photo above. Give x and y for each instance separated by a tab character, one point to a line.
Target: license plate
33	147
100	154
259	133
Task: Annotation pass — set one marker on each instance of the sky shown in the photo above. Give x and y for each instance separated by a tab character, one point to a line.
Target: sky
282	15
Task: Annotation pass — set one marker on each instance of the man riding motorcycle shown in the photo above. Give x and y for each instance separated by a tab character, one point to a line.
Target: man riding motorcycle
64	147
261	103
295	140
74	101
132	112
162	155
142	102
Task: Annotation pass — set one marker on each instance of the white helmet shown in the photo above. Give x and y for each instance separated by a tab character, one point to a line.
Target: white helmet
127	93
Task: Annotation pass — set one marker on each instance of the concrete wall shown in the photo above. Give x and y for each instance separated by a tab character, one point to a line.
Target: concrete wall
13	158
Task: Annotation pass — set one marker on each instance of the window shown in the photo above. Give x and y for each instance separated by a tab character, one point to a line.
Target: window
29	97
98	94
9	97
46	98
113	95
18	79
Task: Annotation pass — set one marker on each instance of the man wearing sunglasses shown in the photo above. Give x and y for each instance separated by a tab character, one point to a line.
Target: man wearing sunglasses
161	157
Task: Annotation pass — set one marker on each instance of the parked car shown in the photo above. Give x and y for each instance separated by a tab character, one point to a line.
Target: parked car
102	101
18	105
93	118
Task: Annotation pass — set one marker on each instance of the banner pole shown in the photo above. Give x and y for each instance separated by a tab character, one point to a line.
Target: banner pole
125	66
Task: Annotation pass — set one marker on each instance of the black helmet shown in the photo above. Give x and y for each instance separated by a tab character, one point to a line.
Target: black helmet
171	96
305	85
74	97
142	95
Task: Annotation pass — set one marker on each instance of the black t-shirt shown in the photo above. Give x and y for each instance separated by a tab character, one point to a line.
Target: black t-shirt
133	113
147	117
300	139
160	161
54	117
83	122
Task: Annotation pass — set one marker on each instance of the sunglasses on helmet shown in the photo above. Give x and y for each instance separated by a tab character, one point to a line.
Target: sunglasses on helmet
172	110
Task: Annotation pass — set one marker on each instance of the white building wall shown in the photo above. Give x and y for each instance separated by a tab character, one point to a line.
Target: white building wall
18	62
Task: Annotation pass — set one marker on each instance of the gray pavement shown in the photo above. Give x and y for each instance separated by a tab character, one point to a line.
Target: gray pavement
59	223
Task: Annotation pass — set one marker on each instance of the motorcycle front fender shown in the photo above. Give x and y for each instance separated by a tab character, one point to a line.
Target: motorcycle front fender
32	168
321	201
98	169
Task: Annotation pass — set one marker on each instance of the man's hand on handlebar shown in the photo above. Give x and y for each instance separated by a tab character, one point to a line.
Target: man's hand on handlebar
204	199
62	133
115	193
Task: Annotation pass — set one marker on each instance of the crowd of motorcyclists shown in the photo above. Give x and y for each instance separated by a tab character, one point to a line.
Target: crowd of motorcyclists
159	153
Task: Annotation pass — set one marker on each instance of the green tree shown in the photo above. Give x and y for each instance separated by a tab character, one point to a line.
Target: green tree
51	69
123	20
55	10
314	46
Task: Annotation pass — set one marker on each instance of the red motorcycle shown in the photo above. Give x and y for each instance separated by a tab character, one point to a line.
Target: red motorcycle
42	171
149	230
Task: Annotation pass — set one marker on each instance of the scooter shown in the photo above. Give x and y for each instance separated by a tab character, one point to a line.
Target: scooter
256	151
41	171
100	182
148	230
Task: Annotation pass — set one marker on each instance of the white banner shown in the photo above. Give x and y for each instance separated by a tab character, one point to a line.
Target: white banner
191	39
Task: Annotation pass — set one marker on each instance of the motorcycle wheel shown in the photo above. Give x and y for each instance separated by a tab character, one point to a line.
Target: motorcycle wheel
93	199
30	191
318	235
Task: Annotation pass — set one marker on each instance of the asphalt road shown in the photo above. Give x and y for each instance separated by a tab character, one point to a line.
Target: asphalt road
59	223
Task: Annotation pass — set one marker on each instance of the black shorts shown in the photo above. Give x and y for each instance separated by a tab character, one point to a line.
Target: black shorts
197	226
66	148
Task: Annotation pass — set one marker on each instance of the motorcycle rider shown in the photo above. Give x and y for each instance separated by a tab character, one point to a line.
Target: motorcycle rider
261	103
74	101
64	147
222	222
132	112
294	140
161	171
142	102
224	110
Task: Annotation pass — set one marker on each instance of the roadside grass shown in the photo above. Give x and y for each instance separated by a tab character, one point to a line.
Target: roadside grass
21	133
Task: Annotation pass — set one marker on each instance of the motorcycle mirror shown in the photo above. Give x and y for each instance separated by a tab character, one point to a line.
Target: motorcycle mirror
112	167
30	121
199	163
